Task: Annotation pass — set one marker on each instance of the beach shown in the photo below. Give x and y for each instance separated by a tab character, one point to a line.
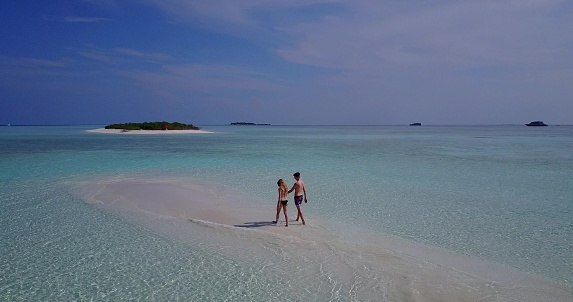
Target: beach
406	270
394	214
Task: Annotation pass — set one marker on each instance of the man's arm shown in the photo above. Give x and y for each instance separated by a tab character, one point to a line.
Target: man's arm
304	190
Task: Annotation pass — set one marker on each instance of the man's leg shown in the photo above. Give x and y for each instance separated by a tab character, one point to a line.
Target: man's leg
300	213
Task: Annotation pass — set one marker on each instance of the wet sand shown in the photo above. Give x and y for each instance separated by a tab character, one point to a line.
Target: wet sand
184	200
405	270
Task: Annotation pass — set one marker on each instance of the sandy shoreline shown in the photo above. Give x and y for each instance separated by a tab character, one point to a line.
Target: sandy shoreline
182	200
431	274
119	131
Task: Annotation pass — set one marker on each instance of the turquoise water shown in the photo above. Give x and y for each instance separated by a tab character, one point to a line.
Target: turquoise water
502	194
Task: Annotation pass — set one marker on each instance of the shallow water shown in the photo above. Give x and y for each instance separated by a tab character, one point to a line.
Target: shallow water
496	194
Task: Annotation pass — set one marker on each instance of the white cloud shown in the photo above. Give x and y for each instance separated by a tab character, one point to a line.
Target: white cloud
105	3
74	19
95	56
452	35
142	55
34	62
376	37
201	78
119	55
443	58
228	16
368	61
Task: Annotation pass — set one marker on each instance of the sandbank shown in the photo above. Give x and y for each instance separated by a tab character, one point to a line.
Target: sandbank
370	263
180	199
119	131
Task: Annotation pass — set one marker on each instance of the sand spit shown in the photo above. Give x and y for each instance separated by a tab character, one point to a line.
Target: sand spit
364	266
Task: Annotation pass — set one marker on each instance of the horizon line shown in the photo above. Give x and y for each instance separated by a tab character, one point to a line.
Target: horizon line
289	125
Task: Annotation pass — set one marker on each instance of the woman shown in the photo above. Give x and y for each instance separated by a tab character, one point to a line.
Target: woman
282	201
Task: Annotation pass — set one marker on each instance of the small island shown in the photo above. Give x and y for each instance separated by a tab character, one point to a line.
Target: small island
153	126
150	128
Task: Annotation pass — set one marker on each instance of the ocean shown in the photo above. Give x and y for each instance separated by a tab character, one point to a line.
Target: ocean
394	213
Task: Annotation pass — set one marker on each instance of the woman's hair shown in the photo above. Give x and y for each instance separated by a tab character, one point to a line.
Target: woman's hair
281	183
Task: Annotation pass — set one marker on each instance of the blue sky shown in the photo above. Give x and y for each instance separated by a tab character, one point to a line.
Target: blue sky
286	61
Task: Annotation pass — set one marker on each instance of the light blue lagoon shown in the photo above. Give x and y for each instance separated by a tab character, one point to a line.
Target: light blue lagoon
395	213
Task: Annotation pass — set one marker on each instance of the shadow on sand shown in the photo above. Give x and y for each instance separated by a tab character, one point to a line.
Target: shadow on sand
255	224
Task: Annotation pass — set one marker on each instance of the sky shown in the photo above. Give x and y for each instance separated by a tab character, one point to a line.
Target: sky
286	62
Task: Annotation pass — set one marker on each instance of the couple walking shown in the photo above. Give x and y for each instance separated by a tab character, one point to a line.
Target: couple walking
299	193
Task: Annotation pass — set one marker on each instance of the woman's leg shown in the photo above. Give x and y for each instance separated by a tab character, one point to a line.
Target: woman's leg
278	212
286	215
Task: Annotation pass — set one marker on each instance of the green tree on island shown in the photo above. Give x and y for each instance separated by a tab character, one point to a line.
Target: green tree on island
153	126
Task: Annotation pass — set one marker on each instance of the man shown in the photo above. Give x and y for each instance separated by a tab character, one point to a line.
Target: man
299	193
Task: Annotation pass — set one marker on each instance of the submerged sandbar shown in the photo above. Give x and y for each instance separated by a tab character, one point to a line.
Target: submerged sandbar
160	197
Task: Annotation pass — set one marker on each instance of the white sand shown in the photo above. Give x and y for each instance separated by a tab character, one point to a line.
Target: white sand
180	199
414	272
165	198
119	131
